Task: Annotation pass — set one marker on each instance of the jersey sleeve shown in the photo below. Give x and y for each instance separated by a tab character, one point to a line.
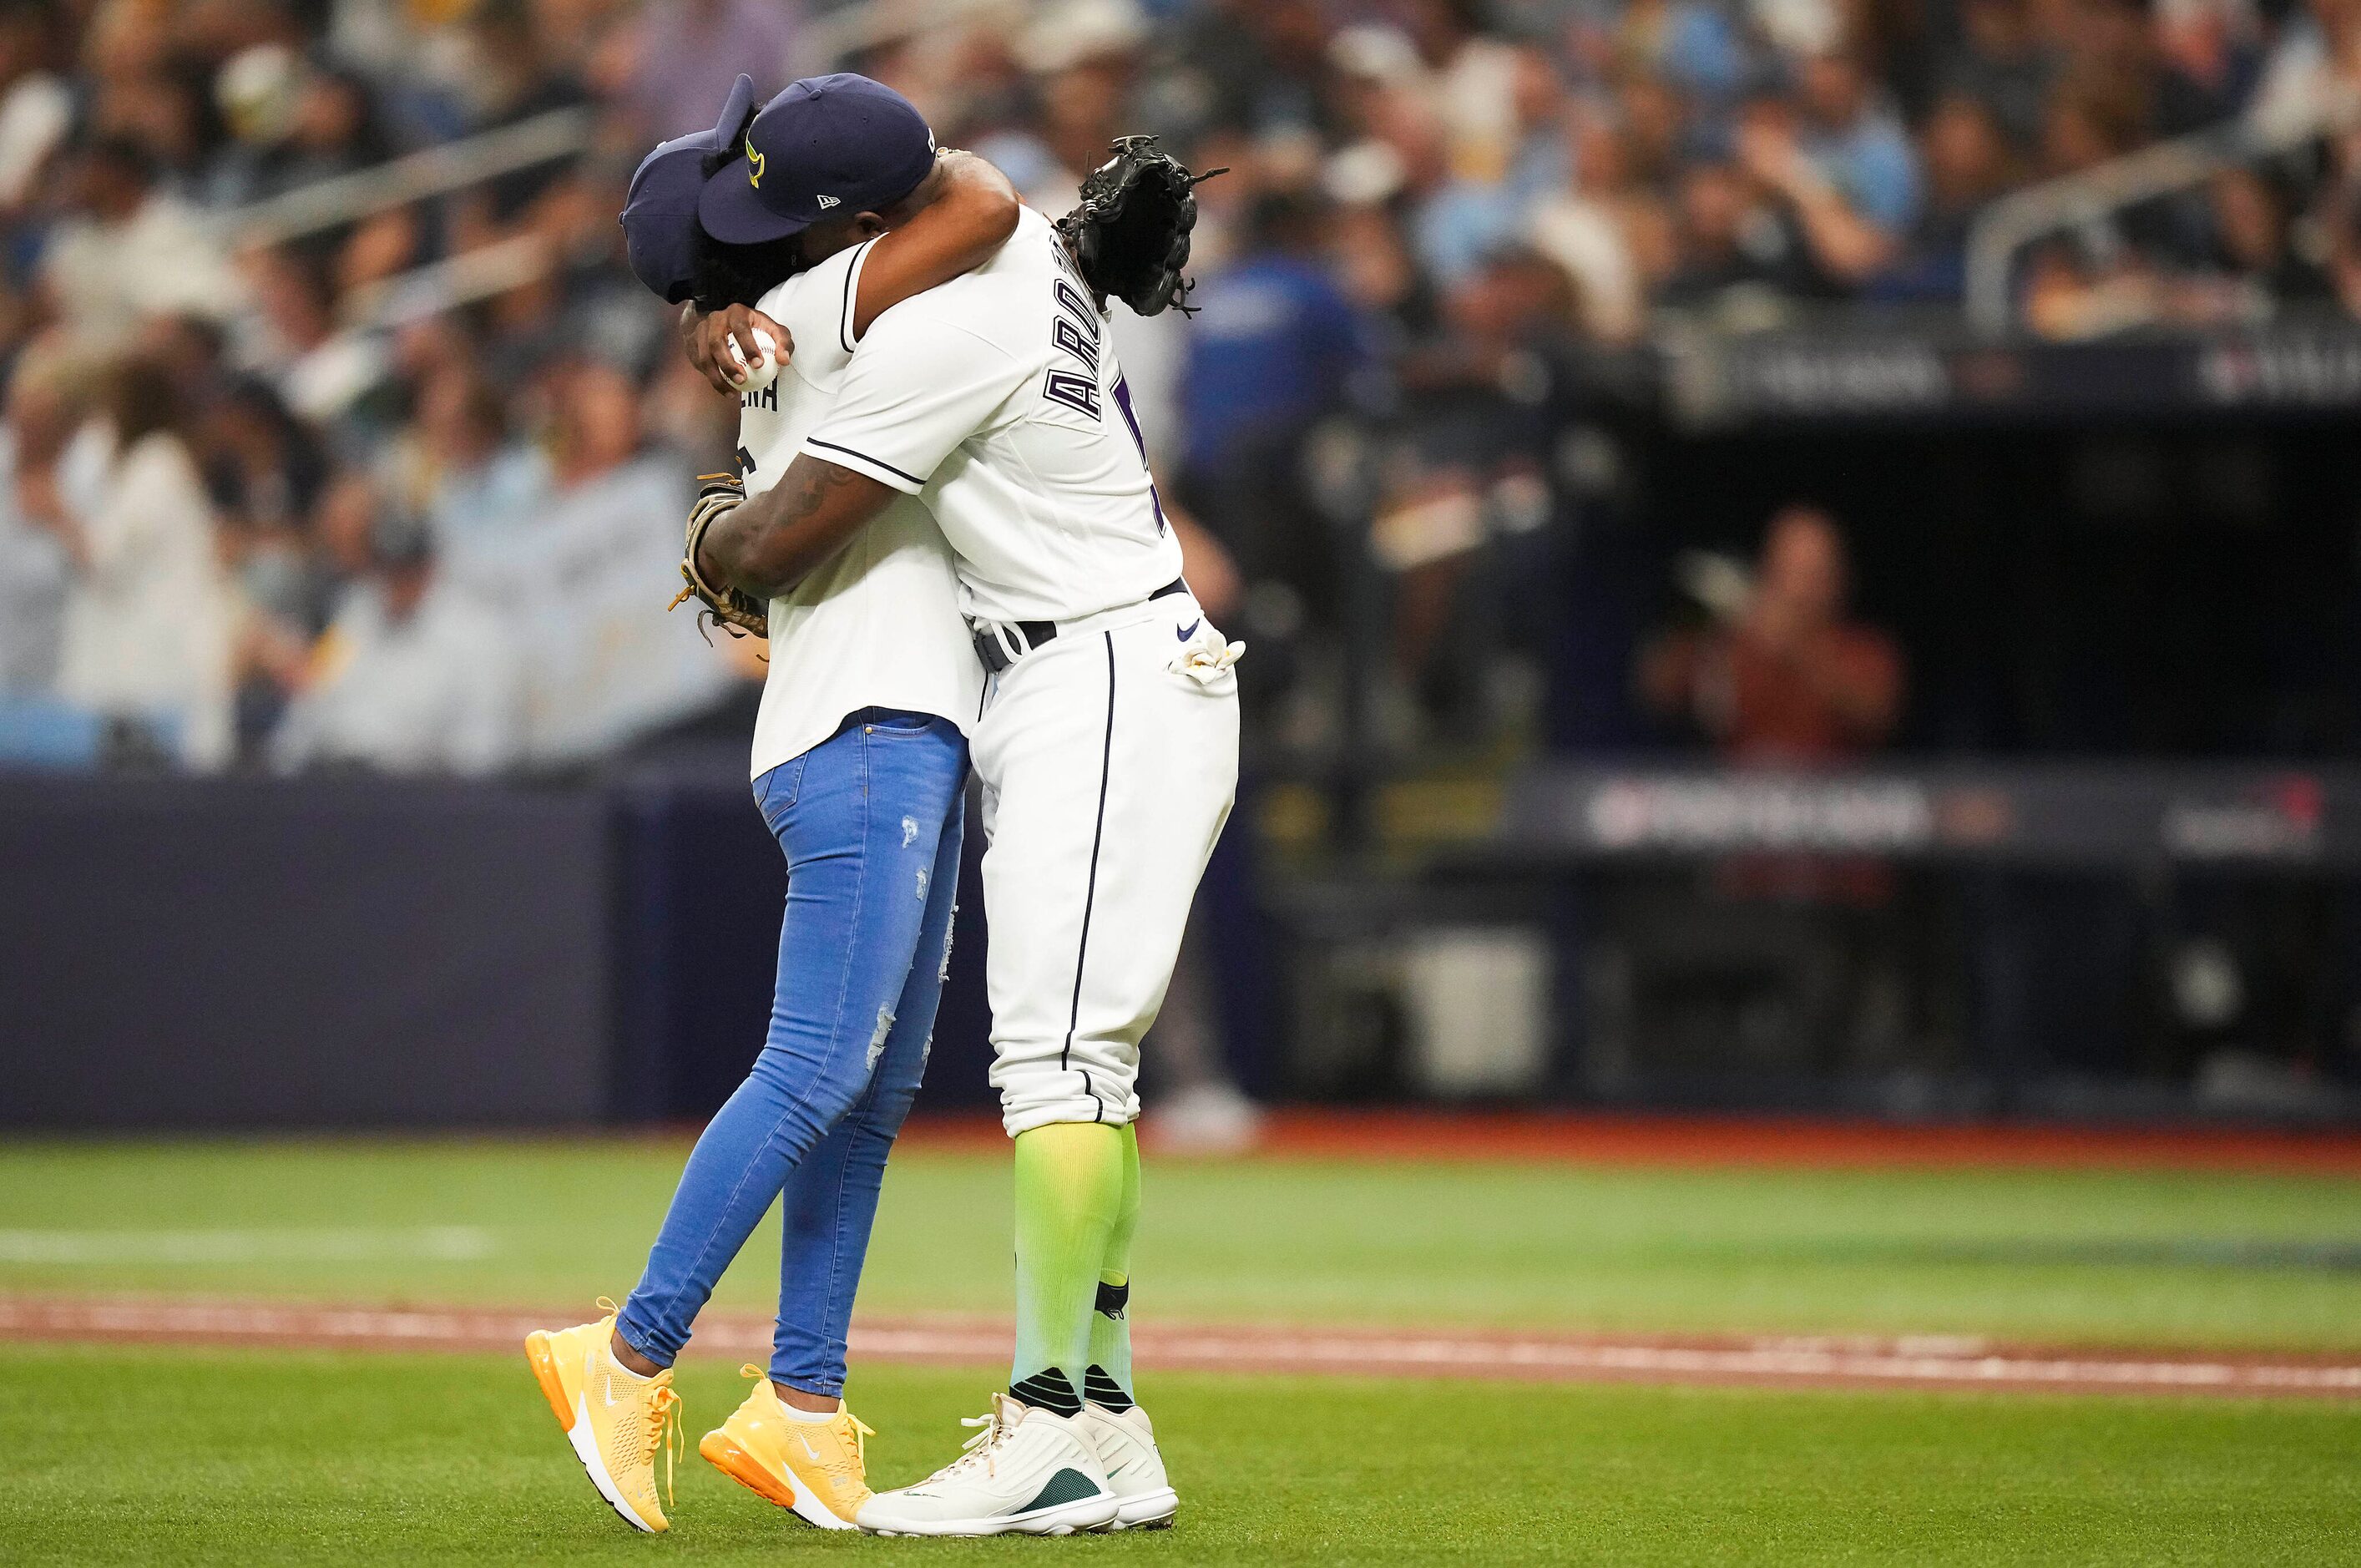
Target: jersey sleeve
918	385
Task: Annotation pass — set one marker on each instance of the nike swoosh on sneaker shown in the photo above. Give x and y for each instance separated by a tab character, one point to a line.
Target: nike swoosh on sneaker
808	1448
1185	633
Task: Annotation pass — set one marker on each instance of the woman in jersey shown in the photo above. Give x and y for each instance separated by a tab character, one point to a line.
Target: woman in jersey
860	768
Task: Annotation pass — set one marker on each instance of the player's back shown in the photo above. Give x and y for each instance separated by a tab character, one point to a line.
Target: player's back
998	400
878	624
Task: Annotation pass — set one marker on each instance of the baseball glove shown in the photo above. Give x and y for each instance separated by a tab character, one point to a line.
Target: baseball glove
733	609
1131	234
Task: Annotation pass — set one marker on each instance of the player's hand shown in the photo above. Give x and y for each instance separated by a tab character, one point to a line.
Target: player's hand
707	340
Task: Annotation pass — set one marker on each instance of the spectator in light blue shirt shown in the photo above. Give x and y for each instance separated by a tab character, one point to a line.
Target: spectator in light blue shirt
1858	144
1693	46
1468	222
1842	170
412	677
478	491
1698	48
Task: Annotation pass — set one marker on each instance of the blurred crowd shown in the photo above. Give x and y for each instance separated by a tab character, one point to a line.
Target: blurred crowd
301	470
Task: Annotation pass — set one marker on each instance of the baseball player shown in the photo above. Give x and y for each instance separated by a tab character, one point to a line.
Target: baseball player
860	767
1106	746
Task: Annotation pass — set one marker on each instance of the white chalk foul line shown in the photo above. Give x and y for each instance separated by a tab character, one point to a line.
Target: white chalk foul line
436	1244
1432	1354
1926	1362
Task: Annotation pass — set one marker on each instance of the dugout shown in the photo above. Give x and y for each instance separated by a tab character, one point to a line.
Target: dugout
2132	569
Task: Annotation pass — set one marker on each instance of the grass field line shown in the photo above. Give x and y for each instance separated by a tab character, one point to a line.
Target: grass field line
1923	1362
336	1243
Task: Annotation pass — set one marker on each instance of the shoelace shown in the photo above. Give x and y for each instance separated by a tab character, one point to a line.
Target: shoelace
665	1431
981	1448
862	1433
663	1413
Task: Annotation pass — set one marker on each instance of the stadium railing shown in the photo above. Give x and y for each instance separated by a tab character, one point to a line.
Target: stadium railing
2022	217
431	171
455	281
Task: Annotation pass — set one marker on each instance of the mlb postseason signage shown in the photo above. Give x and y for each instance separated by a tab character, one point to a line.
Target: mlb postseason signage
2066	815
1939	375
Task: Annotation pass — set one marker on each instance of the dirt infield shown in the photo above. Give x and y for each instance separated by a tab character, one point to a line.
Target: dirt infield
1596	1139
1581	1137
1791	1361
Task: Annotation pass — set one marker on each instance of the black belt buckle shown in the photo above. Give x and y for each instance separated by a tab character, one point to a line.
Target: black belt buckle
1031	634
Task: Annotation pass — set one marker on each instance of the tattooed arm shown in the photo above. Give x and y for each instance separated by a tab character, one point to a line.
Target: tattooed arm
772	541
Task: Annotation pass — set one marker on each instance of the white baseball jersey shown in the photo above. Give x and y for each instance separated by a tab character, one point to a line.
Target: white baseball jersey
1108	754
996	400
878	624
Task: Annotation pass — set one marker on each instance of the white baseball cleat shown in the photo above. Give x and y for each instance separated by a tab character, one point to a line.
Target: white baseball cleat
1026	1472
1125	1445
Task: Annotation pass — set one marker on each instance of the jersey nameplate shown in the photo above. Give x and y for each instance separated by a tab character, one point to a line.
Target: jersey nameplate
1074	336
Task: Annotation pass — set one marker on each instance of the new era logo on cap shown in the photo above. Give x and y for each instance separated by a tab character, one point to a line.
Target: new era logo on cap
828	145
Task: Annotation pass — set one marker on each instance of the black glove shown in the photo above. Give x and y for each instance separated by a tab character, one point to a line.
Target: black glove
1131	234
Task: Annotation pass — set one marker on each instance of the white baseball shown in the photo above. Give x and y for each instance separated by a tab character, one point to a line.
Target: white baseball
766	371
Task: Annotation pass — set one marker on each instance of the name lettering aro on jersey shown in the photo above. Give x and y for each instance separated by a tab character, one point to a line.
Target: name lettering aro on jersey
1074	334
1077	332
1075	328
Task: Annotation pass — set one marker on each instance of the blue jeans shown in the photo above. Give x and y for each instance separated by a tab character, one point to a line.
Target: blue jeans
870	821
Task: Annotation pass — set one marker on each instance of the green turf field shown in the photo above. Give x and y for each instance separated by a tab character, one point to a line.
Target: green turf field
164	1457
2090	1256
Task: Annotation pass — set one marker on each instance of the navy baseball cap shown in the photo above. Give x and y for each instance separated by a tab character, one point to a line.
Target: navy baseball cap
828	147
660	214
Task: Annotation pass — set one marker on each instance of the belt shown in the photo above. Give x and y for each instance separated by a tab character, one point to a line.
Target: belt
1000	643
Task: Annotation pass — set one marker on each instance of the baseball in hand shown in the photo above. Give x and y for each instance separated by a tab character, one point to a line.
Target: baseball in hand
763	371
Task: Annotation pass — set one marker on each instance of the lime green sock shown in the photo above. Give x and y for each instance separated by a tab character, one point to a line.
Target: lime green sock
1069	1190
1107	1380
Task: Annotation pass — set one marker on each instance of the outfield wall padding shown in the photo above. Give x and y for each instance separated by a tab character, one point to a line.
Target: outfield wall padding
330	953
323	953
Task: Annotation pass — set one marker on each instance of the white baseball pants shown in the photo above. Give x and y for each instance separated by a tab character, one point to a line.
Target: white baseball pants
1107	772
